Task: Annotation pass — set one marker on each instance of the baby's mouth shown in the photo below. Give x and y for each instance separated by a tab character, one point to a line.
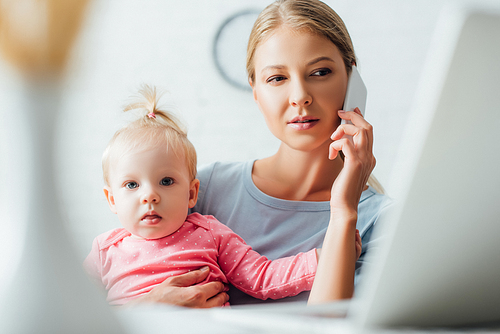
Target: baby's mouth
151	218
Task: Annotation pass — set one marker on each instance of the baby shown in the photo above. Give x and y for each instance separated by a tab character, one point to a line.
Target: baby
149	171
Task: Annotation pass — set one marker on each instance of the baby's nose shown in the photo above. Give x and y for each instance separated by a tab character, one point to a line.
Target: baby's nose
150	197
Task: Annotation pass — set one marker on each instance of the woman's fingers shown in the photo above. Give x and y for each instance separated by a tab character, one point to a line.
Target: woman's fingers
358	163
355	116
188	279
182	290
355	141
342	144
218	300
360	134
360	149
359	124
359	245
206	295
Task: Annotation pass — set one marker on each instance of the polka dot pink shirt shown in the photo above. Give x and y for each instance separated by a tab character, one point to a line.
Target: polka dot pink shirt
130	267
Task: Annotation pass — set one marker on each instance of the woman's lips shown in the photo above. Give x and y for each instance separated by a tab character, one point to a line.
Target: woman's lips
303	123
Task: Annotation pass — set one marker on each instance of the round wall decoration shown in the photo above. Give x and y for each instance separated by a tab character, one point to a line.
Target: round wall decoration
230	46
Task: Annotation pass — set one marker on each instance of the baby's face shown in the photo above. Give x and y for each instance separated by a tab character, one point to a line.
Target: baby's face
151	191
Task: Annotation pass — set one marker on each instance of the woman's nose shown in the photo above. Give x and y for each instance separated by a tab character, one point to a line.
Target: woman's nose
300	96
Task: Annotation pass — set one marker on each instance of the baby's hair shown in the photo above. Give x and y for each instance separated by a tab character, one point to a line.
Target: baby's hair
154	127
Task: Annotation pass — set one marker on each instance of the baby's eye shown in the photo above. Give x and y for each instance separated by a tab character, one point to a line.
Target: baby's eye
131	185
167	181
322	72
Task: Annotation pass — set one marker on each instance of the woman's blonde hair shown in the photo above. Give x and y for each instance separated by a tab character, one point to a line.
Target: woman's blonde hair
153	128
312	16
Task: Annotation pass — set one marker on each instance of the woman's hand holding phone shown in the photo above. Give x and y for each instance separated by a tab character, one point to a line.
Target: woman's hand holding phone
358	160
342	244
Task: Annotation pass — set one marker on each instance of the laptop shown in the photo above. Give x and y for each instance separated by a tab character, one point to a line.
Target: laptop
439	262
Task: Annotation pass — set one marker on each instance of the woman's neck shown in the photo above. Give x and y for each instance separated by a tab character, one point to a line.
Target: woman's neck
297	175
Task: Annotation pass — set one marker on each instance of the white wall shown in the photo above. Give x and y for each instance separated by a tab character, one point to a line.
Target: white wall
169	44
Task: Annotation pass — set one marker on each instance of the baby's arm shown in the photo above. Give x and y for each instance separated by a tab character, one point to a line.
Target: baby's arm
257	276
92	264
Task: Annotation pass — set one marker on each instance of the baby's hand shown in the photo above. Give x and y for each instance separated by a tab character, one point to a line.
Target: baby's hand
359	245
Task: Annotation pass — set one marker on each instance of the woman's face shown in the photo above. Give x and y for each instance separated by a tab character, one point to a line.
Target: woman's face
300	84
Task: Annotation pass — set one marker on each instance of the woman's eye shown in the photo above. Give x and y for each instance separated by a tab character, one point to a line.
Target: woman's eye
167	181
276	79
131	185
322	72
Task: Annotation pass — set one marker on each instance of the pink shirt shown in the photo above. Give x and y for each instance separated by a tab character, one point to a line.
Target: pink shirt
130	267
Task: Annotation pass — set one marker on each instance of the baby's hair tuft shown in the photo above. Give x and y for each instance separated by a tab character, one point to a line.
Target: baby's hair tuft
148	104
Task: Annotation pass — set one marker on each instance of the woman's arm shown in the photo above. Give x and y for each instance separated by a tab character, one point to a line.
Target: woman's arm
335	274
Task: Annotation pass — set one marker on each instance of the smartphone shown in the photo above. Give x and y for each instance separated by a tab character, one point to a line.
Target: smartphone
355	95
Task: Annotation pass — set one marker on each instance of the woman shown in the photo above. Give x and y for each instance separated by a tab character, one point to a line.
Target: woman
298	61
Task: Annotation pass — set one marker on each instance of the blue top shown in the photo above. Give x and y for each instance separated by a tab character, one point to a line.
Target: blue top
273	227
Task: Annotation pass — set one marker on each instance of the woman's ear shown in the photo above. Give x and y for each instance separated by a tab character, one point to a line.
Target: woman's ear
253	89
110	198
194	187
